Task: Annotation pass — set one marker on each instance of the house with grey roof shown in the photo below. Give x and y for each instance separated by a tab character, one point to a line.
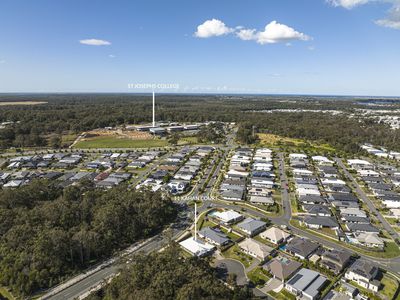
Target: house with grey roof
311	199
357	212
214	236
251	226
357	220
345	204
301	247
306	284
335	260
233	194
316	222
317	210
364	273
343	197
354	227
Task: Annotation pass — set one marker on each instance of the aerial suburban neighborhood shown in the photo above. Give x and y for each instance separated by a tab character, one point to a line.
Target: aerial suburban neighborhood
200	150
289	224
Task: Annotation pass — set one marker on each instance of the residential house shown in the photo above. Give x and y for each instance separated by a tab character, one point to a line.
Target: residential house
233	194
214	236
227	216
322	160
178	186
359	164
364	274
345	204
357	220
356	212
306	284
335	260
259	191
301	247
275	235
369	239
354	227
251	226
311	199
317	210
197	247
255	249
263	200
282	268
317	222
343	197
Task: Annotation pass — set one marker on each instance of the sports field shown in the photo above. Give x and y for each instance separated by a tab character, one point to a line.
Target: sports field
118	142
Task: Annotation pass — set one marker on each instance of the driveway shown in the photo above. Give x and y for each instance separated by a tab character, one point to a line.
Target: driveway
272	285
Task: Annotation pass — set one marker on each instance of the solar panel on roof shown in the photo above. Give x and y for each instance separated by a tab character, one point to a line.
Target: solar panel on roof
296	278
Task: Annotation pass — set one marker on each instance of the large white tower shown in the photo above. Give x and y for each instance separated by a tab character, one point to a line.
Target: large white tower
154	109
195	221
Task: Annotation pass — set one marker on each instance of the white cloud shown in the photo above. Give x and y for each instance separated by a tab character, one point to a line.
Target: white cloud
212	28
273	32
247	34
276	32
111	56
393	18
275	75
2	61
348	3
311	48
95	42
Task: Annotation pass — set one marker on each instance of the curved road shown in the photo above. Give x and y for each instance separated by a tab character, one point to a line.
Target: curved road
93	280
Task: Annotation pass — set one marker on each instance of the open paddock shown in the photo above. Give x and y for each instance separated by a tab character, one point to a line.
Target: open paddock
14	103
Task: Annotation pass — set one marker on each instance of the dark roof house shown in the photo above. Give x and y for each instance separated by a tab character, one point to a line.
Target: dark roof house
302	248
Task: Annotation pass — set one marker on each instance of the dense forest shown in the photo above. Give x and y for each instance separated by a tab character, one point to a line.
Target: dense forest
41	125
212	133
47	233
345	134
168	276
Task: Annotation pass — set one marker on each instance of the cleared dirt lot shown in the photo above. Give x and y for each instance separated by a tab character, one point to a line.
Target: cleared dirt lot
21	103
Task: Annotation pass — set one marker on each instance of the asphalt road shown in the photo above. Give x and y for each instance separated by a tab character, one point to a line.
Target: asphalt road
95	279
367	201
392	265
286	205
233	267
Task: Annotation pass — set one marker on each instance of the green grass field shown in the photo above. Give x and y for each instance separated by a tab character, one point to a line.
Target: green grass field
113	142
389	286
68	138
272	140
189	140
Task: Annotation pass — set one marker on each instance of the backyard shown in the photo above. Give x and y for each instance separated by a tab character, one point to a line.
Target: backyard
235	253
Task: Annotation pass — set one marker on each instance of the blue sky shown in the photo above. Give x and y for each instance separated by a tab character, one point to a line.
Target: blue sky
341	47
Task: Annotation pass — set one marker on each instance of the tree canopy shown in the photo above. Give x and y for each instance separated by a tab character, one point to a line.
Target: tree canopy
47	233
168	276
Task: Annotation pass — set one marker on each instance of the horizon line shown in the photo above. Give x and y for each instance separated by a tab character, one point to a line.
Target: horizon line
203	93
